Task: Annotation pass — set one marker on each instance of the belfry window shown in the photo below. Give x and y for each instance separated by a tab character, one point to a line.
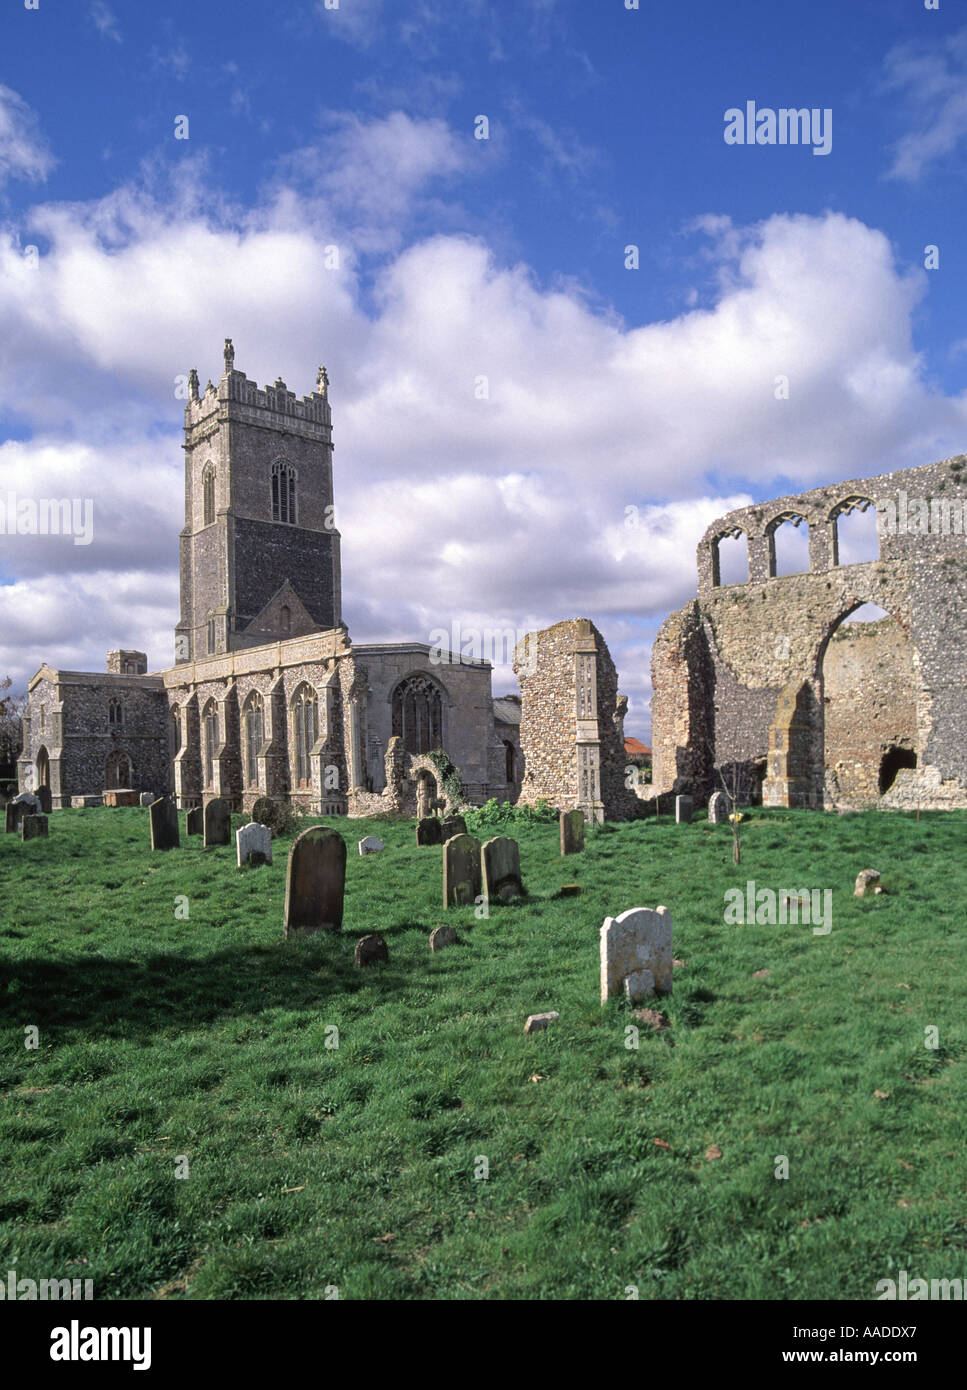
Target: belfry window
283	492
208	494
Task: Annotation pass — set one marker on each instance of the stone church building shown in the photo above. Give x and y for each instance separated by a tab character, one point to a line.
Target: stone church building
268	696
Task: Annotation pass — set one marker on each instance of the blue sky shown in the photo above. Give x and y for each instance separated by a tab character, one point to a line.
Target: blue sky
311	127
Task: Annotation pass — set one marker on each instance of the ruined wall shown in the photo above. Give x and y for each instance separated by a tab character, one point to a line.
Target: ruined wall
869	692
572	744
772	633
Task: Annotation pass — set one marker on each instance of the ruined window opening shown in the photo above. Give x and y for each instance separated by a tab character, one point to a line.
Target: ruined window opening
208	494
890	764
418	714
305	716
855	537
730	558
283	492
788	545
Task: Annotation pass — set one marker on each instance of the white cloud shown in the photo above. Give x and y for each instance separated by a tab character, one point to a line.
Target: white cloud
23	151
105	21
933	82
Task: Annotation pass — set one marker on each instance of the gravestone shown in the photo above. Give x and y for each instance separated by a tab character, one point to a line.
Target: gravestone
442	936
429	831
456	825
867	882
683	810
253	845
164	824
718	808
636	953
372	844
315	882
500	865
217	822
536	1023
572	832
45	799
461	871
370	950
194	820
28	801
33	827
11	818
147	798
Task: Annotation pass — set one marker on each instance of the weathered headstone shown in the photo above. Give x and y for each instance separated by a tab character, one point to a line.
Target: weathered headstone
683	810
500	866
372	844
46	800
429	831
456	825
461	871
11	818
194	820
146	798
33	827
164	824
572	832
370	950
253	845
537	1022
218	822
636	953
315	882
442	936
718	808
867	882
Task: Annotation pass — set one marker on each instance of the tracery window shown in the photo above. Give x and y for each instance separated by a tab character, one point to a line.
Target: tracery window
418	714
283	492
305	722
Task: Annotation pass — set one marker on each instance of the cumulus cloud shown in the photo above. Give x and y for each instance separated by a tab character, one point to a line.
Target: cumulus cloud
493	432
23	151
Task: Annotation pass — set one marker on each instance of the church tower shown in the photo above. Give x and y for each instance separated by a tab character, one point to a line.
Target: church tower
259	550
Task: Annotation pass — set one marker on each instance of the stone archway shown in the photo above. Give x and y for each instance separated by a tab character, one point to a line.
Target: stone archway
42	765
792	776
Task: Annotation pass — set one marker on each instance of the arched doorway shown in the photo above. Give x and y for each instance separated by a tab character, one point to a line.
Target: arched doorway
42	763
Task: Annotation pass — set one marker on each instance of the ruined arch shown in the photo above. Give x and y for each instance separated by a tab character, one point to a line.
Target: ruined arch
850	543
782	556
42	766
722	563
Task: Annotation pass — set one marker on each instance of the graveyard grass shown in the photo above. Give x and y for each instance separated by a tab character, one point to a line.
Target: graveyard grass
354	1167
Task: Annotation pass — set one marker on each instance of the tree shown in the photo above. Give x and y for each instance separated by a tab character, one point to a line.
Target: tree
12	709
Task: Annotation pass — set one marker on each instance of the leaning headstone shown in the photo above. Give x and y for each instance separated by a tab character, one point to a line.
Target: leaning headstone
370	950
461	871
217	822
33	827
429	831
867	882
500	865
45	799
442	936
636	953
683	810
194	820
253	845
718	808
372	844
456	825
537	1022
572	832
315	882
164	824
147	798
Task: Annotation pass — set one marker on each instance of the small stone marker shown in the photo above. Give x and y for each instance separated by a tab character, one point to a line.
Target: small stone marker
253	845
147	798
442	936
315	882
683	810
536	1022
372	844
570	890
461	871
500	869
867	882
164	824
370	950
572	832
429	831
456	825
45	799
637	947
194	820
718	808
33	827
217	822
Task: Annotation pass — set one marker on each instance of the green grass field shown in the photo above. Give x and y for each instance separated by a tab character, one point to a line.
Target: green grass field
354	1166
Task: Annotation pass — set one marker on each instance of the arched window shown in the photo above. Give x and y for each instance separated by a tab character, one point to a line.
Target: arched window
509	759
176	728
418	714
305	722
254	722
283	492
286	618
855	537
208	493
730	557
788	536
210	741
211	635
115	713
118	771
